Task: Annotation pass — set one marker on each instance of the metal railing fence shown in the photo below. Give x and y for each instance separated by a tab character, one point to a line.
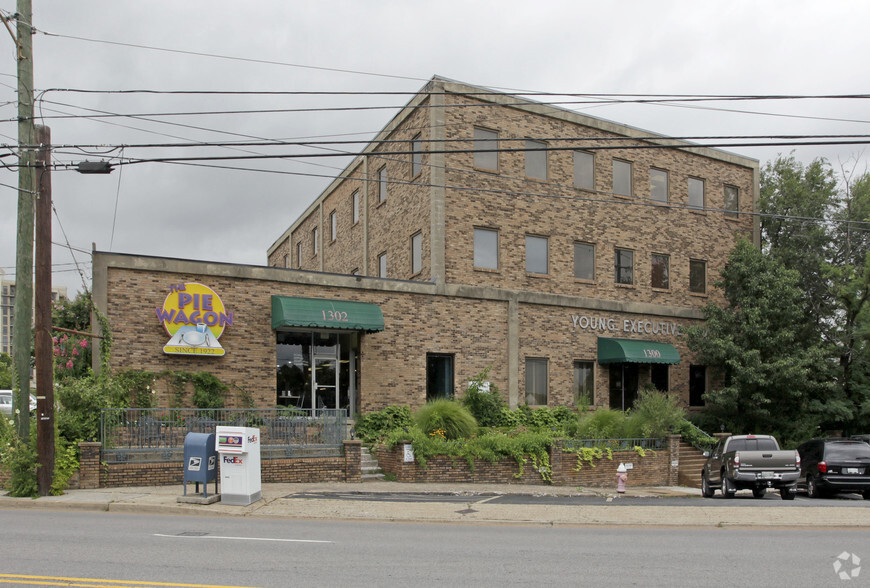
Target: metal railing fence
157	434
616	444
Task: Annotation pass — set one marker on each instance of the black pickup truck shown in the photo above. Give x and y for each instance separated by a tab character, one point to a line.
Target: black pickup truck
750	461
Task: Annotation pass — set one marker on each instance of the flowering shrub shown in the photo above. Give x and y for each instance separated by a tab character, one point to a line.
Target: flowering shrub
72	356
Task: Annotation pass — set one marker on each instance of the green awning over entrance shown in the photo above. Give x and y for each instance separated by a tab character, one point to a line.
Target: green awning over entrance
635	351
317	313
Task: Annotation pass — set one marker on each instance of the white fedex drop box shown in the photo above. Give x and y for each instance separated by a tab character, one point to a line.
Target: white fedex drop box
239	451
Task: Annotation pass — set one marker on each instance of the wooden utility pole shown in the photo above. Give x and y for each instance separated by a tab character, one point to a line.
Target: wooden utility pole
43	345
23	310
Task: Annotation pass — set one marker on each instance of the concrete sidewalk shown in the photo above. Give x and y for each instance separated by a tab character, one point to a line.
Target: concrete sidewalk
283	500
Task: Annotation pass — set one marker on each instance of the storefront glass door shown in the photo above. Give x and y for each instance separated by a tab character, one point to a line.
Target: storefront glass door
317	369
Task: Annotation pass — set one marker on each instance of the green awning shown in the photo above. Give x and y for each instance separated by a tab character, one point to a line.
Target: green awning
317	313
635	351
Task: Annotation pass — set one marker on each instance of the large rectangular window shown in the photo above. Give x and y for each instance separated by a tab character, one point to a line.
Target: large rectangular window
696	193
697	276
416	253
624	266
658	181
382	184
584	383
536	160
658	376
439	376
584	170
584	261
382	265
354	206
661	271
621	177
537	255
486	248
732	201
536	382
484	140
416	156
697	384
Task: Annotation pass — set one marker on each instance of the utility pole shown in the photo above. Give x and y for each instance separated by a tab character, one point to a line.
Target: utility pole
43	344
23	311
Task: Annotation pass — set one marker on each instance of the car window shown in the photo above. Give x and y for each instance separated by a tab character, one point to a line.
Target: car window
753	445
836	451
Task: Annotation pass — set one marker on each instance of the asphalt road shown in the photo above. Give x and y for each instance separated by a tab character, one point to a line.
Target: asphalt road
68	548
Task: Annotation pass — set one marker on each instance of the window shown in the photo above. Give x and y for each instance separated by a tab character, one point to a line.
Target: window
624	266
287	260
536	255
621	177
416	253
536	382
584	261
697	276
658	181
299	254
416	156
696	193
697	384
333	226
314	240
439	376
382	265
584	170
382	184
658	376
584	383
483	140
354	206
536	160
732	201
623	385
661	270
485	249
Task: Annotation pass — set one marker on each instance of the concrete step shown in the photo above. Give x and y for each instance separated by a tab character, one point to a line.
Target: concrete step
369	467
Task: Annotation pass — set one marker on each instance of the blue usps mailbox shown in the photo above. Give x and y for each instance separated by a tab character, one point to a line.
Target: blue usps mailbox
200	461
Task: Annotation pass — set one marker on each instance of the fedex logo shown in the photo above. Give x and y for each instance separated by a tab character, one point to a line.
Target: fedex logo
252	439
233	459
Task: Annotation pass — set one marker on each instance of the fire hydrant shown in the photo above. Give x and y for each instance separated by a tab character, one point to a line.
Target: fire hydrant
621	478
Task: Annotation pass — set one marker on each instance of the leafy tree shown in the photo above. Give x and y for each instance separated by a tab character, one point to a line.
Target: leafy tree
6	371
775	378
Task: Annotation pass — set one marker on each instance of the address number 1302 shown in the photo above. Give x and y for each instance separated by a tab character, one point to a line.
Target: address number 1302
334	315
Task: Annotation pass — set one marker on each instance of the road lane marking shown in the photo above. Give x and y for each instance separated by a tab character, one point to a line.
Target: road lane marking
241	538
96	582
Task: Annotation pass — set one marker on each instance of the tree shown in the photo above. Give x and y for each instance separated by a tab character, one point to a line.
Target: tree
774	379
72	352
6	370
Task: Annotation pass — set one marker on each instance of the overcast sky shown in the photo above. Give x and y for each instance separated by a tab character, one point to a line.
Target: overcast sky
792	47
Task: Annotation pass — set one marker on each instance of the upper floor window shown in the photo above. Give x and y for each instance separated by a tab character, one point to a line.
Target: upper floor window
536	159
661	271
486	248
416	253
536	255
382	184
624	266
382	265
299	254
483	140
333	226
416	156
697	276
732	201
621	177
314	240
584	261
658	181
354	206
584	170
696	193
287	260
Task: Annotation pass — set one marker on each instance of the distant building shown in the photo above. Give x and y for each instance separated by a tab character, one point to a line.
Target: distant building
477	230
7	312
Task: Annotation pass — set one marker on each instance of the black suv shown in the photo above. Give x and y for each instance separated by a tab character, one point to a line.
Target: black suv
835	465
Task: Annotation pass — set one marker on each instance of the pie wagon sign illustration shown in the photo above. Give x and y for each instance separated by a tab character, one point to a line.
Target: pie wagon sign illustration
194	318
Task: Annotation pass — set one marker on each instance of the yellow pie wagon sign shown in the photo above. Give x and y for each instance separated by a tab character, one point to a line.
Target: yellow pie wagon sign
194	318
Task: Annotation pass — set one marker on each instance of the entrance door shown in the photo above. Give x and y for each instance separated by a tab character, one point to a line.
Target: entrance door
623	385
324	384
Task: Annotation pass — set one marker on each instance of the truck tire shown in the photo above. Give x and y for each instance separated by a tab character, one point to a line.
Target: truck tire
728	490
786	493
813	488
759	492
706	491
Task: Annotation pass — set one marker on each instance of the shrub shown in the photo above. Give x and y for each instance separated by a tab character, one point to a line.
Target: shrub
604	423
374	426
208	391
80	401
446	418
486	406
655	414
